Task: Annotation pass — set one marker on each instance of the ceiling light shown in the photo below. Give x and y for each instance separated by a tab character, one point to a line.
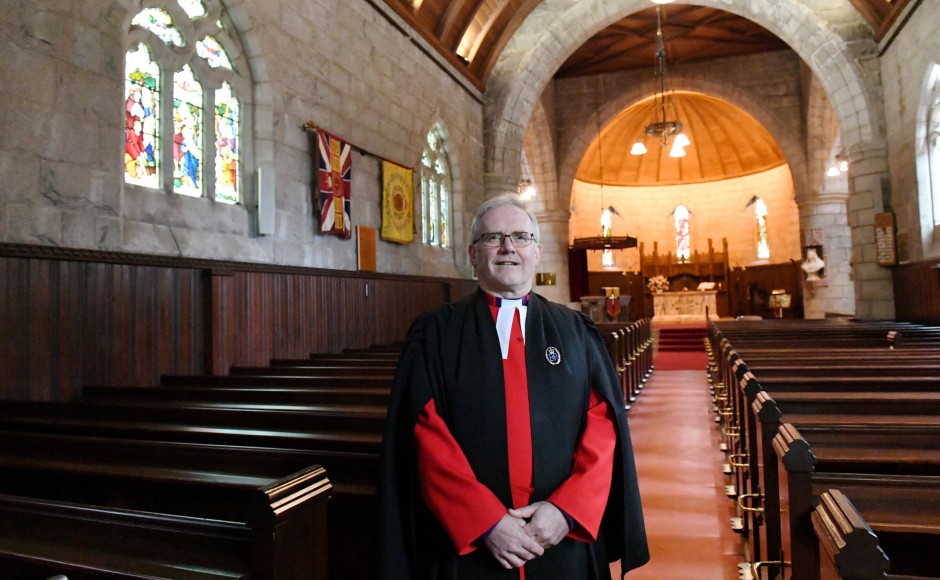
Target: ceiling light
662	127
526	189
833	172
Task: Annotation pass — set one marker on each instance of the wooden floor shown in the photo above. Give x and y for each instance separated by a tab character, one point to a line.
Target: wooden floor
675	440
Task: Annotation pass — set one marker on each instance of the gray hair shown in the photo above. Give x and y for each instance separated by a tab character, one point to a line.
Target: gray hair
510	199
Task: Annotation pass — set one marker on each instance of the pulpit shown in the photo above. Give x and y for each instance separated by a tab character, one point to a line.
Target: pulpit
689	306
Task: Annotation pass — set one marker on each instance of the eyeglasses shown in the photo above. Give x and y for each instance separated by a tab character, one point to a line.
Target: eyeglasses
495	239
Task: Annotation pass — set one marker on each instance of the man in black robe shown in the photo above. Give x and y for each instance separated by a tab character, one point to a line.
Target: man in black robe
507	452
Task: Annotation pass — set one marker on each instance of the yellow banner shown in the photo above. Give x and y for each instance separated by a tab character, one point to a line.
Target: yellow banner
398	214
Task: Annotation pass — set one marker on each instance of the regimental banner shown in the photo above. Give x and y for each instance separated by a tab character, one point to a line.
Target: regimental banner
334	159
397	203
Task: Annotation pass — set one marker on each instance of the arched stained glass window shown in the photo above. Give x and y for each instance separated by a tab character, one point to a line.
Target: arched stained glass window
187	133
141	117
760	216
201	101
435	192
683	242
226	145
933	151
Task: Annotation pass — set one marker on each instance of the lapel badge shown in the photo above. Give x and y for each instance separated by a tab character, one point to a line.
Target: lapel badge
553	355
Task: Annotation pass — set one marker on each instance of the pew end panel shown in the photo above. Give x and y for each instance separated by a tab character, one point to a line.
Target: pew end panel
289	521
851	547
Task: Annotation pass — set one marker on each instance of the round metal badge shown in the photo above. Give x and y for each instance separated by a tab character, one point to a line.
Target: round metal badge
553	355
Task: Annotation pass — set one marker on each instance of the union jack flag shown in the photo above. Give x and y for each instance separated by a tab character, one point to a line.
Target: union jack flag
334	183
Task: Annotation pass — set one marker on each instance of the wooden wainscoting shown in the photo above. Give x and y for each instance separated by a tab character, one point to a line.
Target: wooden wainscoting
71	318
917	292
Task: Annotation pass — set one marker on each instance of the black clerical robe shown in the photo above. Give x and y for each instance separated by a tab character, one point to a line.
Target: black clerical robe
453	357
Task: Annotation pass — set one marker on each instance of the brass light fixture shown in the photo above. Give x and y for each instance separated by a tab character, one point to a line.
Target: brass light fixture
662	127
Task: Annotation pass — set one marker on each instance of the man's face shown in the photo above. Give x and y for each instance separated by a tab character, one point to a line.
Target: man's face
506	271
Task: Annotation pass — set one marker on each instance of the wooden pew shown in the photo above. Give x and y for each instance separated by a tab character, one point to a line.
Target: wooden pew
299	427
349	451
892	475
363	379
103	504
768	413
629	347
789	374
359	397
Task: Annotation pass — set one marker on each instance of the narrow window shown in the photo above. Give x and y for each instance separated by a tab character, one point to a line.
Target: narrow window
933	152
760	215
187	133
226	145
435	192
141	118
683	243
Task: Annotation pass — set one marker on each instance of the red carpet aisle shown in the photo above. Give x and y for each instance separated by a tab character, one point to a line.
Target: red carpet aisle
680	360
675	440
680	347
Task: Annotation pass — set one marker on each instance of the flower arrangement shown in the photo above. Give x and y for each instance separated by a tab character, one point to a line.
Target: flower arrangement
658	283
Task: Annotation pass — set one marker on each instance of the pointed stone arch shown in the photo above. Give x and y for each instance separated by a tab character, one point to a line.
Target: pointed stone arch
556	27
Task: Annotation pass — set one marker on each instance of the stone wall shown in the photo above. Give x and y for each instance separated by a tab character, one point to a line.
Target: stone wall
346	65
719	210
906	65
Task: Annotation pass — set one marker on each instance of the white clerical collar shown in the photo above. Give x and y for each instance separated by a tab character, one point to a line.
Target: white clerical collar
504	317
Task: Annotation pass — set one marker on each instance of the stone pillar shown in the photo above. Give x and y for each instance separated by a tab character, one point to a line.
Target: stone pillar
497	183
553	228
874	284
824	220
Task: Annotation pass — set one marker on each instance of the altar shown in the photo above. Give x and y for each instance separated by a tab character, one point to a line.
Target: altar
688	306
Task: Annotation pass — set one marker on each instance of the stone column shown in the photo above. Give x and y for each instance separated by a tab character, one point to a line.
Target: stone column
824	220
874	284
498	183
553	227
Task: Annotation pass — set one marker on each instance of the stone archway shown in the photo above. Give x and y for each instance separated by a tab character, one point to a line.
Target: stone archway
549	35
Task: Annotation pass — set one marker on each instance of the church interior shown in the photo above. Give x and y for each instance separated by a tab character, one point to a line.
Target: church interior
219	219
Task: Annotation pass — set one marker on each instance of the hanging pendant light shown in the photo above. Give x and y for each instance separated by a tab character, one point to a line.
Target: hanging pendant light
663	127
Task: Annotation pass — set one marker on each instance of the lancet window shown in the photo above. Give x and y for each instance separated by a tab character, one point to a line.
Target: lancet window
683	241
436	191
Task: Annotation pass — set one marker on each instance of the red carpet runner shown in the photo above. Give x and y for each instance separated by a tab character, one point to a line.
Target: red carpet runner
675	440
680	347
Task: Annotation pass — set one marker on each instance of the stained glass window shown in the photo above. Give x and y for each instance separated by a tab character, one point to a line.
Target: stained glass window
141	118
226	145
187	133
203	99
160	23
760	214
210	49
683	243
193	8
435	192
933	151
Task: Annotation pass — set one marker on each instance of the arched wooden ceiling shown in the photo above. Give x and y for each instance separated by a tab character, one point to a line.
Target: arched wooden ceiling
726	143
472	33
